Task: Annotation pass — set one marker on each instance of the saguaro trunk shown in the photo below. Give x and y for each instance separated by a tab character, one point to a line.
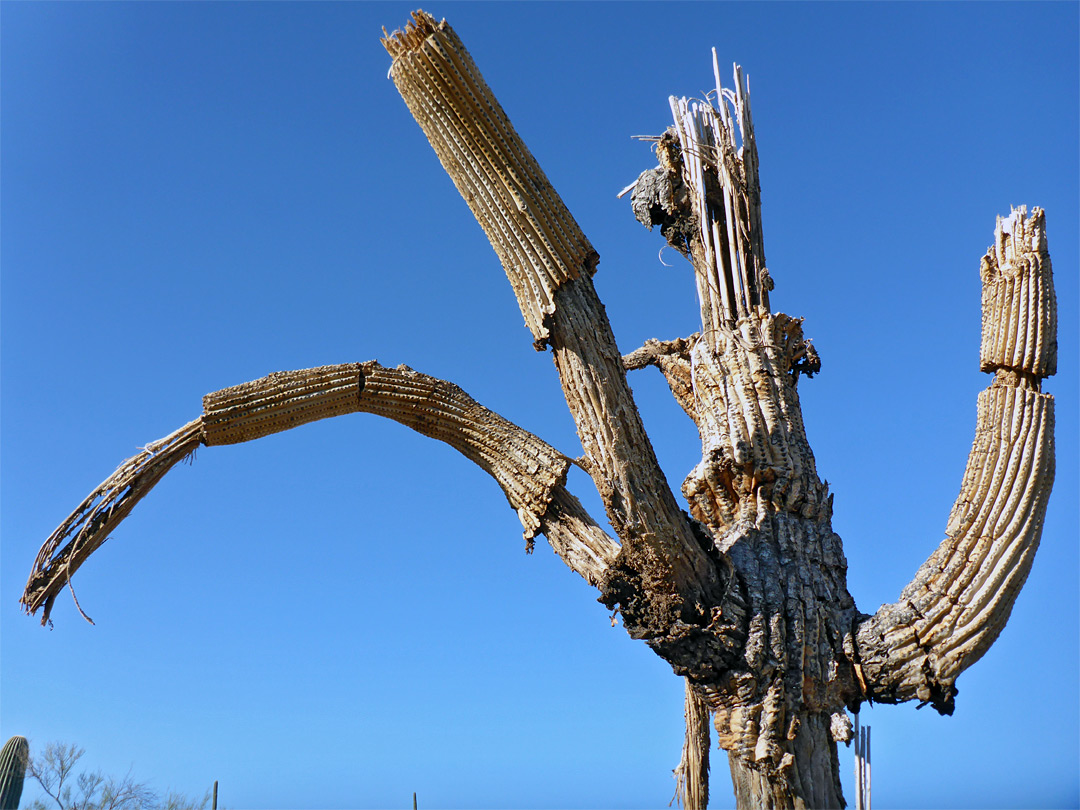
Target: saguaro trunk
756	490
746	596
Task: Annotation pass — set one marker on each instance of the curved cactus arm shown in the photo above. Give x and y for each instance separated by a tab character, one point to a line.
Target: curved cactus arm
530	472
960	599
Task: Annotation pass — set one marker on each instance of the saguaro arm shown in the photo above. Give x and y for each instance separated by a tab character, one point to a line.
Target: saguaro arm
959	600
530	472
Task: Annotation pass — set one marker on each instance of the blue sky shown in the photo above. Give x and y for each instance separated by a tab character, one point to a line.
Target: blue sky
195	195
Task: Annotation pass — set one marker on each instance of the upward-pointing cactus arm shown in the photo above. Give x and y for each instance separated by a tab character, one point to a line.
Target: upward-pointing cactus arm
550	263
959	600
530	472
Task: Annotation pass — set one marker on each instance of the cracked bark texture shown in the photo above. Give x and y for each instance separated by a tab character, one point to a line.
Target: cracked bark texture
746	596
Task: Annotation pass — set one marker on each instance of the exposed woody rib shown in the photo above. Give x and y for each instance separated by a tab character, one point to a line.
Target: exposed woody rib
640	504
100	513
530	472
961	597
721	176
692	773
577	538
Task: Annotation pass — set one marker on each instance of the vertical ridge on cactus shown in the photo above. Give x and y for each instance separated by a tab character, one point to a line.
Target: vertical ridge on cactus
14	758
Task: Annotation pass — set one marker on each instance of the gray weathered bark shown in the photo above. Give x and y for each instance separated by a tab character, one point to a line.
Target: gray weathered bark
746	596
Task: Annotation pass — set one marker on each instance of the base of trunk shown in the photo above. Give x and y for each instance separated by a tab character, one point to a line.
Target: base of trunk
808	779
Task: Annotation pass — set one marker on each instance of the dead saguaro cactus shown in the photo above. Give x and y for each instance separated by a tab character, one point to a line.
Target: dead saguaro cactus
745	595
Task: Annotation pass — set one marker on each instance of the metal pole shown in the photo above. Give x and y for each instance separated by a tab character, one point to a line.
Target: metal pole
868	802
858	765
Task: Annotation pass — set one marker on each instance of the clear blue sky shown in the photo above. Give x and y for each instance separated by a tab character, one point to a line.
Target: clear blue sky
195	195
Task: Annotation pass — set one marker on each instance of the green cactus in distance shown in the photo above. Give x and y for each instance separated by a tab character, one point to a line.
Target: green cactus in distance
13	760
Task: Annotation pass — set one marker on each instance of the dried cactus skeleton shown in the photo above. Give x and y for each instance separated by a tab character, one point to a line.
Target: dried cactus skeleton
746	598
